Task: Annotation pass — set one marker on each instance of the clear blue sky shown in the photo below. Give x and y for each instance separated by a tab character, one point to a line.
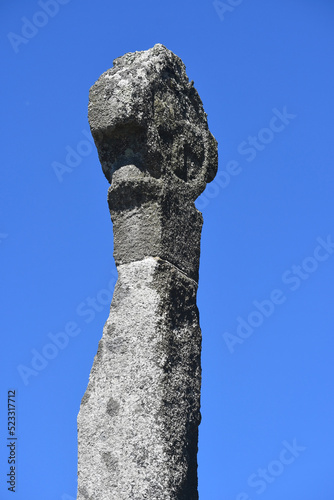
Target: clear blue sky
264	71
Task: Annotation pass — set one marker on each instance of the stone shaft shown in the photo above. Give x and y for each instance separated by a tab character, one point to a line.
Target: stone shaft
139	417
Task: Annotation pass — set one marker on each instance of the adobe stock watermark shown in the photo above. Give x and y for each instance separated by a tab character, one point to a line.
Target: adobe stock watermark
293	279
260	479
57	342
250	148
223	7
74	156
30	27
3	236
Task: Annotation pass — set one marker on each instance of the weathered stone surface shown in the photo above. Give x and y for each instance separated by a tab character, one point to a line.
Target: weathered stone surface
138	420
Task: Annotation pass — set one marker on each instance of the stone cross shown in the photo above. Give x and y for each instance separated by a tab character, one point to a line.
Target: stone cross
138	420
